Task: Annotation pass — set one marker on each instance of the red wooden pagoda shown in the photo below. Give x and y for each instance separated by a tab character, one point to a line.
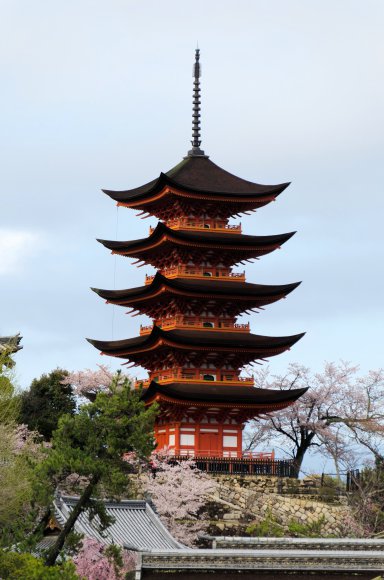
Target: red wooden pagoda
195	349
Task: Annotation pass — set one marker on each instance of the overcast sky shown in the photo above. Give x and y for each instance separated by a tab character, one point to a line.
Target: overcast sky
97	95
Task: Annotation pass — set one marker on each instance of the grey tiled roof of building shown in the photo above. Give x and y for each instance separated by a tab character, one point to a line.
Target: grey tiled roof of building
10	343
136	526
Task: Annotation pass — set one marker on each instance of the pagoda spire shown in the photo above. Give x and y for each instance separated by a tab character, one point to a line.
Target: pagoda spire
196	128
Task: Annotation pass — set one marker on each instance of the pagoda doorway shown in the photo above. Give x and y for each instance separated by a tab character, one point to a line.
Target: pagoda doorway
210	444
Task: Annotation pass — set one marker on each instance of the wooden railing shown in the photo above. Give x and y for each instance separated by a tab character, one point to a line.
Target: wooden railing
170	377
243	466
191	224
227	454
200	273
178	322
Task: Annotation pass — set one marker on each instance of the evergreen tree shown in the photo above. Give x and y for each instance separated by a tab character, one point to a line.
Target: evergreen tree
92	444
45	402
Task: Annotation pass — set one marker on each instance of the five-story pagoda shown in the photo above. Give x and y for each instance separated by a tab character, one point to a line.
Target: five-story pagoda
195	349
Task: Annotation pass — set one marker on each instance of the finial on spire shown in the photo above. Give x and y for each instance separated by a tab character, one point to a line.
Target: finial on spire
196	141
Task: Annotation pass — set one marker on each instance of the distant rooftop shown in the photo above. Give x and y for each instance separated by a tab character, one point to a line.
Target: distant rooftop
10	343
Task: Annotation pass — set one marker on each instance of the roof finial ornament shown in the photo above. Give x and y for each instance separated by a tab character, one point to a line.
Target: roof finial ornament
196	141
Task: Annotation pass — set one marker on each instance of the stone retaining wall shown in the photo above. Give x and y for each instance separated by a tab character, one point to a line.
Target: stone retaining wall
251	501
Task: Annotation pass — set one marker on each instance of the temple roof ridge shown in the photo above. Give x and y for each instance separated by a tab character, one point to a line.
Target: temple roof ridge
199	174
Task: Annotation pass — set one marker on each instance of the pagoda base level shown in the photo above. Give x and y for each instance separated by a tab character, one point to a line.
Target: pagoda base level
242	466
195	439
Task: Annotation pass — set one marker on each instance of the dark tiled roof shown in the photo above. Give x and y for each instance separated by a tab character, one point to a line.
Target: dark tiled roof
200	239
222	394
198	339
199	174
210	286
10	343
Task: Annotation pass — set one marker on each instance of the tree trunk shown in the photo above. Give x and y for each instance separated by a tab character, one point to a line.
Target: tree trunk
300	453
81	504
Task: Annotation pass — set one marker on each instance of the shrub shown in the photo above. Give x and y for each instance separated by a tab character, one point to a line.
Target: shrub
269	527
17	566
311	530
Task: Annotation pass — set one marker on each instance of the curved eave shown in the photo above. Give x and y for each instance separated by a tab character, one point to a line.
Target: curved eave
201	177
10	344
194	288
162	234
227	396
165	186
196	341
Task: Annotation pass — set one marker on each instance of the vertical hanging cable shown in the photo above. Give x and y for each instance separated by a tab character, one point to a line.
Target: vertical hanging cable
114	272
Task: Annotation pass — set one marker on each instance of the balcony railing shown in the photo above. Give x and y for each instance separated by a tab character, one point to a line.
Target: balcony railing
209	454
243	466
173	323
191	224
200	273
185	377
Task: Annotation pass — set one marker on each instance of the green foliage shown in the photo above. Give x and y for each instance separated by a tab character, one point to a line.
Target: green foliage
16	488
9	401
310	530
269	527
17	460
114	554
15	566
92	444
329	488
45	402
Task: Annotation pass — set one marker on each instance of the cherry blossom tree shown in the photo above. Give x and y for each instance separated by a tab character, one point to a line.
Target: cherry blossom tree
338	403
179	491
95	561
87	383
363	413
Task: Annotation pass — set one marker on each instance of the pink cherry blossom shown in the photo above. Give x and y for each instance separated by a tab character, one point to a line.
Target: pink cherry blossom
341	415
179	491
93	564
88	383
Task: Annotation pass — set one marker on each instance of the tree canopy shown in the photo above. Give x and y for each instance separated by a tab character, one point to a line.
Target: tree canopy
45	402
